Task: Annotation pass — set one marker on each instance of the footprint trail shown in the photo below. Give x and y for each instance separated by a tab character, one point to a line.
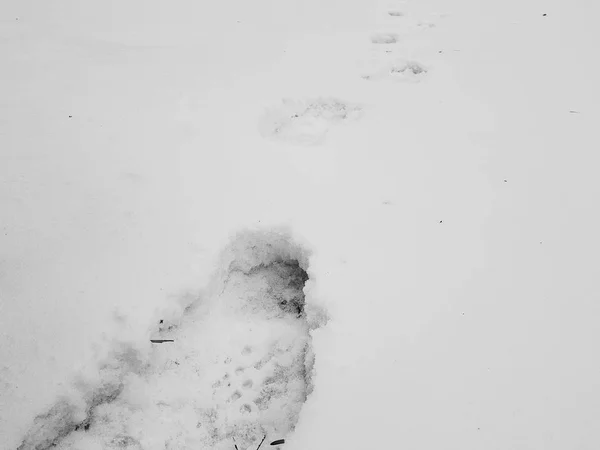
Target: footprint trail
397	46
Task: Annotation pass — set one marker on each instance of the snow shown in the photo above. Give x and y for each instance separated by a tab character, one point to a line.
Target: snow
237	365
448	228
306	122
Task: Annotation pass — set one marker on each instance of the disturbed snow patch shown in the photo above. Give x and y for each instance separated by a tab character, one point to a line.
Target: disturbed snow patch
306	122
399	70
237	372
384	38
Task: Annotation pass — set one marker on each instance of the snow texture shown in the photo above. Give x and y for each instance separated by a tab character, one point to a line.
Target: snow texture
399	70
453	228
306	122
384	38
239	369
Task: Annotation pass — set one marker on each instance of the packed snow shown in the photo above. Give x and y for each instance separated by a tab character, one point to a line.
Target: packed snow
232	367
299	225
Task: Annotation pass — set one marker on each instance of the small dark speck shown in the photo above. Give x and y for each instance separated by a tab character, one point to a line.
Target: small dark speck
572	111
70	117
441	221
478	429
462	314
440	51
544	14
505	181
161	321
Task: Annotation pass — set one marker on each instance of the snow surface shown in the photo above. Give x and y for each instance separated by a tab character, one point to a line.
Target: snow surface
235	367
448	226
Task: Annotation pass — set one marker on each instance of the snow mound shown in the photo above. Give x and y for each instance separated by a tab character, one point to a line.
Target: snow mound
306	122
234	368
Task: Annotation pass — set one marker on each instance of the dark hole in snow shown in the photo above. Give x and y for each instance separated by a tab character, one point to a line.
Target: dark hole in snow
286	280
85	425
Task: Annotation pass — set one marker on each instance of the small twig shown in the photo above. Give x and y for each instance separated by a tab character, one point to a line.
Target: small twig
263	440
278	442
160	341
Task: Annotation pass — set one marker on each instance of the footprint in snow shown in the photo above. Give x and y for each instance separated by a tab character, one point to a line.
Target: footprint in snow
400	70
237	374
306	122
384	38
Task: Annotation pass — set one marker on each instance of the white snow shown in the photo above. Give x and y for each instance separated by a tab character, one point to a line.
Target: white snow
449	230
233	367
306	122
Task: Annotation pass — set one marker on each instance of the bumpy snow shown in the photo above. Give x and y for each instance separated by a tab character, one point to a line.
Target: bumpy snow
306	122
238	371
438	158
